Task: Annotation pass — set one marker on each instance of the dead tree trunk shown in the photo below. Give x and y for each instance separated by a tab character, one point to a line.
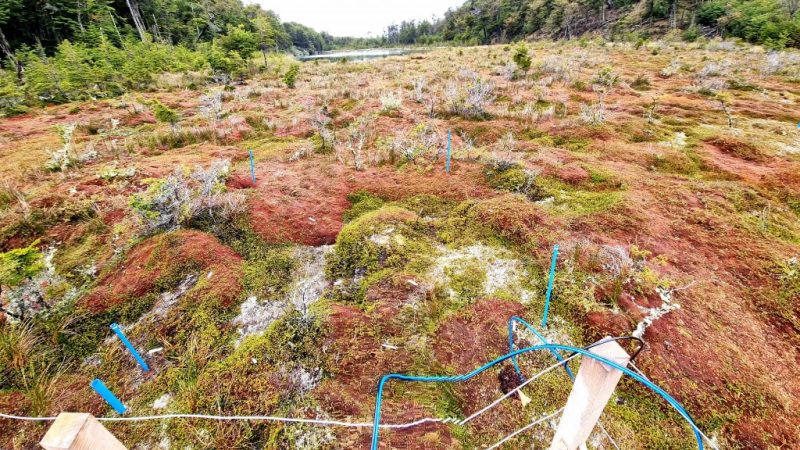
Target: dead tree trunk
137	18
6	48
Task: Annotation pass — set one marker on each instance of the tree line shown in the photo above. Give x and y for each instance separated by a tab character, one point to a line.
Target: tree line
774	23
27	24
65	50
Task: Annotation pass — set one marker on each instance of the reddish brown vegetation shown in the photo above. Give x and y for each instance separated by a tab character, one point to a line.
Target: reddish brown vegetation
304	202
161	256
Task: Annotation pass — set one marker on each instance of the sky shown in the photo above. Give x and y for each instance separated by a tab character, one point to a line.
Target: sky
359	18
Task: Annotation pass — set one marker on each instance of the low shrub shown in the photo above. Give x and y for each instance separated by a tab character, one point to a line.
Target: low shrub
512	177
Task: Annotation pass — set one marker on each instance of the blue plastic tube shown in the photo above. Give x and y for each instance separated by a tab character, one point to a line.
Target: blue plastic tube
447	164
108	396
130	347
252	167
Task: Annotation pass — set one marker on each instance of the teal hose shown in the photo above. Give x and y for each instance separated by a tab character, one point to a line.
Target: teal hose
458	378
538	335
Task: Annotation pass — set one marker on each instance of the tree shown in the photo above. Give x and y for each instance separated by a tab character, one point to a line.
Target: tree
8	8
521	57
240	41
290	77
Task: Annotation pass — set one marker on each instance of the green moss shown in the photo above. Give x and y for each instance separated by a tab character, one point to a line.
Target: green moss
38	220
72	261
603	179
459	227
77	339
572	143
388	237
238	234
466	279
270	275
648	420
673	162
428	205
514	178
762	217
361	202
572	202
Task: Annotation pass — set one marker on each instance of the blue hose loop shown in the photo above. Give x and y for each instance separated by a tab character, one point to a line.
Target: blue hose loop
458	378
530	328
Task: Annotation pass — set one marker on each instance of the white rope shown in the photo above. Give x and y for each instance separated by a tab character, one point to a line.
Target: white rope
312	421
335	423
523	429
513	391
266	418
608	435
321	422
30	419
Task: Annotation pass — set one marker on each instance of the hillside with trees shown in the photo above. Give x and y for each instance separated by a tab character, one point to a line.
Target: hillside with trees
67	51
774	23
25	24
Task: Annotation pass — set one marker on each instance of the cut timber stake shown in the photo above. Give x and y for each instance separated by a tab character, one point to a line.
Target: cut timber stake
592	389
79	431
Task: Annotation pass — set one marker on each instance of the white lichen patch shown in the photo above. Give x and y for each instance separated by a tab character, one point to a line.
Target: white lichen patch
504	274
678	142
310	281
653	314
256	316
162	402
308	284
311	437
168	299
387	238
788	149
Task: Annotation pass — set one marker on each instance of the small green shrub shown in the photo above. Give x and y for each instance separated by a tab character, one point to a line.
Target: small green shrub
521	57
290	77
164	114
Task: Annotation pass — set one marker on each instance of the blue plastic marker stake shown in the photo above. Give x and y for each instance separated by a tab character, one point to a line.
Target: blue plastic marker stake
252	167
550	286
130	347
447	164
108	396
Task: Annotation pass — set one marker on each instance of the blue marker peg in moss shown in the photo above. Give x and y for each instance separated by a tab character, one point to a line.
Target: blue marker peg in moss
550	286
108	396
130	347
447	164
252	167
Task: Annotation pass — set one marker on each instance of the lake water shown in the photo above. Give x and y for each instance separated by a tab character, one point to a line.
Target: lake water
358	55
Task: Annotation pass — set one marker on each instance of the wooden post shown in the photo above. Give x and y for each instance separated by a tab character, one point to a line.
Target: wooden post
79	431
592	389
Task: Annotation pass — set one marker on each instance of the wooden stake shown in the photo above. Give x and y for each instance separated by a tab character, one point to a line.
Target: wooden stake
592	389
79	431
